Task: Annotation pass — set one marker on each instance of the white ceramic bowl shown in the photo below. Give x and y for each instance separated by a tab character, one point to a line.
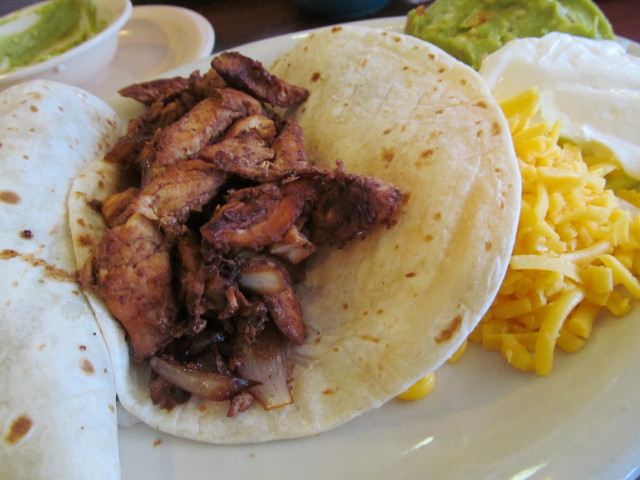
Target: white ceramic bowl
79	64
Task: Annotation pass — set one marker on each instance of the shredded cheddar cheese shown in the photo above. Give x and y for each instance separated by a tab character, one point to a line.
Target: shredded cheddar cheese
577	252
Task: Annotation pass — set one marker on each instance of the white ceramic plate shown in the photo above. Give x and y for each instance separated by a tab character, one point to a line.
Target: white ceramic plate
157	38
483	421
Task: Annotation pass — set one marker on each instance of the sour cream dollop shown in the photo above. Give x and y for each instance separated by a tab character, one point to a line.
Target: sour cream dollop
591	86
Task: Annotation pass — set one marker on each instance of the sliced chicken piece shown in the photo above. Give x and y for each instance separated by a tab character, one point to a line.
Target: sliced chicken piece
265	127
135	280
289	148
177	191
149	92
250	76
252	219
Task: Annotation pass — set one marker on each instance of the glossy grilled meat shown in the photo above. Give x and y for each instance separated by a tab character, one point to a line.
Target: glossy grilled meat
198	260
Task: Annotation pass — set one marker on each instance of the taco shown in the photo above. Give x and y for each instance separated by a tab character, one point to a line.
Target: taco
380	311
57	400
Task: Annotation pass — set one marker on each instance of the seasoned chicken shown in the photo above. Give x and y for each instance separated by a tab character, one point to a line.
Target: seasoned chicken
264	126
245	155
205	121
198	259
177	191
289	148
252	219
250	76
162	90
135	280
349	205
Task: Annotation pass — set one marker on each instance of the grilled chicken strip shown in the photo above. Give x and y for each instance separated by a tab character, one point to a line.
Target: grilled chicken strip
253	218
205	121
177	191
250	76
134	279
348	205
245	155
264	126
289	148
153	91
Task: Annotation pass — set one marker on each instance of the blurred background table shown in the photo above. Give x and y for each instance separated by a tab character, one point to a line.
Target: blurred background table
242	21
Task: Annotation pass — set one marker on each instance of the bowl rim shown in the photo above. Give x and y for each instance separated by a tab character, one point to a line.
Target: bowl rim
113	28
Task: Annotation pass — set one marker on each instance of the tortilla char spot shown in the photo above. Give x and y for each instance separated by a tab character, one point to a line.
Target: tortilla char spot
101	184
95	205
463	81
427	153
157	443
82	348
315	77
365	313
428	237
87	366
387	131
12	198
387	155
439	112
411	274
480	104
336	29
7	254
488	246
345	306
33	108
370	338
202	408
42	346
18	429
328	391
446	334
85	240
495	129
26	157
441	69
437	216
432	57
379	312
480	133
56	273
336	349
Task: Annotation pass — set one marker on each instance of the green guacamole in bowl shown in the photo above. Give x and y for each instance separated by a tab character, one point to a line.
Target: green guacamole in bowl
470	29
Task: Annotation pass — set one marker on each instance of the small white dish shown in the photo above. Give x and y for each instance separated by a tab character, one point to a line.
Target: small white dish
157	38
77	65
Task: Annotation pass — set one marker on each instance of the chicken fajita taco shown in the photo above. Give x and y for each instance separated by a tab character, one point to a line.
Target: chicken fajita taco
270	254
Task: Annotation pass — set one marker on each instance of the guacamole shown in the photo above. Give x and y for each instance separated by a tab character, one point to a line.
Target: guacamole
470	29
34	34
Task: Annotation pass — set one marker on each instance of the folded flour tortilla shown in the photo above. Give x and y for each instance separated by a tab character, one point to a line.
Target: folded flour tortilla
383	312
57	396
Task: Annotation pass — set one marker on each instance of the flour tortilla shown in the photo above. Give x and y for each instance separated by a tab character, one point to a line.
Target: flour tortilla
383	312
57	395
